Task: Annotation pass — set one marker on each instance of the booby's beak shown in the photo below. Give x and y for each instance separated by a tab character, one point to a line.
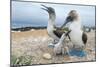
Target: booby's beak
69	18
45	8
67	21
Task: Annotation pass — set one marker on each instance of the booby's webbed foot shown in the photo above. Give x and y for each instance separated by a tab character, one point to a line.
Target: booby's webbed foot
51	45
79	53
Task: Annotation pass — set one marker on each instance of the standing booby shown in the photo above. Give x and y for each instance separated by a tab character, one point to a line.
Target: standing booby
52	30
77	36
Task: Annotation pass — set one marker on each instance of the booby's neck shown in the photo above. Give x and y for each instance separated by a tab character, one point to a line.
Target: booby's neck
51	22
75	26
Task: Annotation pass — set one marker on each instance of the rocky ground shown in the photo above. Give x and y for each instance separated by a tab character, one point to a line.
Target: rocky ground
34	43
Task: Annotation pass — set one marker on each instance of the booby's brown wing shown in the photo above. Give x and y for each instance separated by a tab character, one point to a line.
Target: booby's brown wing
58	32
84	38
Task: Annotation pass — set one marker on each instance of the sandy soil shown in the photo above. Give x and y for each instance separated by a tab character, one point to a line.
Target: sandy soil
35	43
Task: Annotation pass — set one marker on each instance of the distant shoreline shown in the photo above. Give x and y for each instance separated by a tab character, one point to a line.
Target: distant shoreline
30	28
27	28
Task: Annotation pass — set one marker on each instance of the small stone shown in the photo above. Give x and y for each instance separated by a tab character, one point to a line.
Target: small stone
66	58
46	56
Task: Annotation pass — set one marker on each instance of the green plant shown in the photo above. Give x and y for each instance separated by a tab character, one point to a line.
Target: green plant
21	60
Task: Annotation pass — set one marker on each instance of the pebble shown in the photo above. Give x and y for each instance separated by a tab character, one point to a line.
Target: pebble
66	57
47	56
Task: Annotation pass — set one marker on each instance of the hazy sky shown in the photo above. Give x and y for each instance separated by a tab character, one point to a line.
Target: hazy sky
31	14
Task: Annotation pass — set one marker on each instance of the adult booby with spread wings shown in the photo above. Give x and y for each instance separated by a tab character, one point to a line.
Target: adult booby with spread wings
77	36
52	30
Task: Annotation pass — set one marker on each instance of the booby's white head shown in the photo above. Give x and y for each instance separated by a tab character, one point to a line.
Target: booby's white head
51	12
72	17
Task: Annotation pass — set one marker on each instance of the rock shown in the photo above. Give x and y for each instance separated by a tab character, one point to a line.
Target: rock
46	56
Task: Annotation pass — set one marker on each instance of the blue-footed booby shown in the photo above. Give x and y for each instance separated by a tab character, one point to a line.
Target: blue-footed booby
52	30
77	36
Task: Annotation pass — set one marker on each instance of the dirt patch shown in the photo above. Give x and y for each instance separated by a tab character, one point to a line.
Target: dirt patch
35	43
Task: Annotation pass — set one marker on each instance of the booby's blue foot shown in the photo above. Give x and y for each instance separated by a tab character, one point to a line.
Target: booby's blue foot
51	45
79	53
